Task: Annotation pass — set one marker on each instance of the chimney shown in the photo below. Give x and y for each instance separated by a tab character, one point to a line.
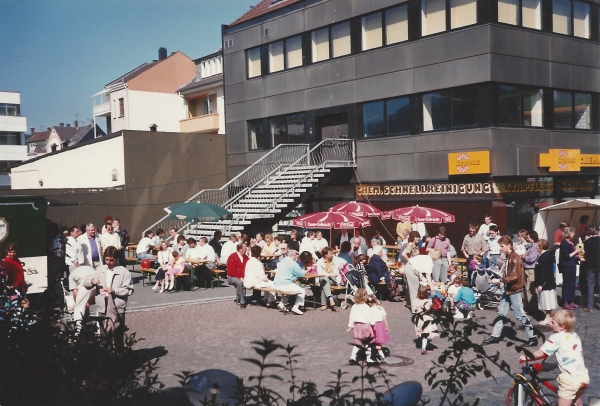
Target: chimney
162	53
68	125
48	128
32	130
76	124
62	124
153	127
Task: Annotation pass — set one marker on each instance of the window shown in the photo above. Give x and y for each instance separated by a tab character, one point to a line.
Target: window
253	62
320	45
509	105
581	19
278	128
293	49
396	25
433	16
255	135
563	109
436	111
464	107
508	11
340	38
373	120
561	16
398	116
532	14
372	32
533	111
276	57
9	109
295	128
463	13
8	139
121	107
583	111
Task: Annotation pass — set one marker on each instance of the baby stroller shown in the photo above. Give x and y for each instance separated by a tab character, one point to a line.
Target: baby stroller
488	295
354	281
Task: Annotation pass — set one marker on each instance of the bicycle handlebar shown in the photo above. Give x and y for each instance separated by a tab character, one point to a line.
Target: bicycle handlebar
534	359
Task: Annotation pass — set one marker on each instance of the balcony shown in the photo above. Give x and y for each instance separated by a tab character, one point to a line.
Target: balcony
13	153
13	124
102	110
204	124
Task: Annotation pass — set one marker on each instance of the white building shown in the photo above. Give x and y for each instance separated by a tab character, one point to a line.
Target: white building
146	95
12	134
204	101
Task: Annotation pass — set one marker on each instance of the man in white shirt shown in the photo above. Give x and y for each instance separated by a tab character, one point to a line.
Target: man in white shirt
307	244
110	238
81	295
357	235
484	229
144	246
73	252
260	240
207	258
229	247
319	243
90	244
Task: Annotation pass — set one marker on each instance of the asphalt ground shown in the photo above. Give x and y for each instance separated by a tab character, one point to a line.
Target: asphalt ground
201	329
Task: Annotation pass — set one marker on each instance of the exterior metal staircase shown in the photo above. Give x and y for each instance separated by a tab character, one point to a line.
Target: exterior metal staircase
270	188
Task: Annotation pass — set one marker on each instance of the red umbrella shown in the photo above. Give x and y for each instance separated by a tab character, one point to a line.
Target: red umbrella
328	220
416	214
359	209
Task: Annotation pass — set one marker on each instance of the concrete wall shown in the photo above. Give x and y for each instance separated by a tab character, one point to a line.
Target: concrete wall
166	171
13	124
88	166
147	108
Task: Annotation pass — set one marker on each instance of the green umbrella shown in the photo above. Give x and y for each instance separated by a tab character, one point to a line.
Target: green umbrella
198	212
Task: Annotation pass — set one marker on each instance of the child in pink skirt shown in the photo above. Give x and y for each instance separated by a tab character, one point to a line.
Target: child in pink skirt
177	266
360	324
380	325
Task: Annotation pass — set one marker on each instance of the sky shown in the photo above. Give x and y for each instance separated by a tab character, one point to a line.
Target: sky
58	53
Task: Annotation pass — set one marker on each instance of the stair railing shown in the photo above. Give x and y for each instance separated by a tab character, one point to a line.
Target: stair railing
231	191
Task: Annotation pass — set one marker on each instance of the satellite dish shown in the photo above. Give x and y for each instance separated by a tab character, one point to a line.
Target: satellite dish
406	394
212	381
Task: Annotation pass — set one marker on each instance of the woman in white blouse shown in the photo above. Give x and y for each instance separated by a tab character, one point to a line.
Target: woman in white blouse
255	276
163	259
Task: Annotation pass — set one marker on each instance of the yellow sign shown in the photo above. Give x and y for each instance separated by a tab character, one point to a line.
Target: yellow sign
590	160
568	160
467	163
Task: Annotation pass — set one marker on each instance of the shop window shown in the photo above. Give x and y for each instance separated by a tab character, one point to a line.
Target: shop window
278	131
563	109
396	25
293	50
320	45
398	116
464	107
253	62
561	16
583	111
340	38
533	111
509	105
581	19
508	11
373	119
295	129
276	58
255	135
436	111
532	14
463	13
372	31
433	16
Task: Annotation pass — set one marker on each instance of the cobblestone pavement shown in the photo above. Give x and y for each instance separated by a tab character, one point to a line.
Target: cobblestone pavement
199	336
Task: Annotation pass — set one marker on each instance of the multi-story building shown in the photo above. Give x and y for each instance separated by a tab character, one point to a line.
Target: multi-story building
12	134
204	101
146	97
471	106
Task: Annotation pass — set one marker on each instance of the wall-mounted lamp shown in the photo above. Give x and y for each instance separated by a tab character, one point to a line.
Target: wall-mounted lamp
41	183
115	175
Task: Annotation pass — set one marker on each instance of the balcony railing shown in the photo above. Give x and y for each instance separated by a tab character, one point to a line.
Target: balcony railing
202	124
102	110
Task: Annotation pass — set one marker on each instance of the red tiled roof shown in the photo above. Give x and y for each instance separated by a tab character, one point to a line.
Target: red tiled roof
39	136
264	7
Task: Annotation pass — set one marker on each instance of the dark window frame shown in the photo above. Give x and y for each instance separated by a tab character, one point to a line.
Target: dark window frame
385	118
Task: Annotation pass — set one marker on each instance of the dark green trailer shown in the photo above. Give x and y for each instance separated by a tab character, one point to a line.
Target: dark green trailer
23	221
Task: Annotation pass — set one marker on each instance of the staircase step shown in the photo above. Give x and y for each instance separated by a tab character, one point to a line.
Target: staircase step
254	210
267	195
291	181
262	200
279	188
259	206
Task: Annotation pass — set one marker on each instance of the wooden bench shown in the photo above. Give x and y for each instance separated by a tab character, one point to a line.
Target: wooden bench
336	291
133	261
179	275
150	272
216	272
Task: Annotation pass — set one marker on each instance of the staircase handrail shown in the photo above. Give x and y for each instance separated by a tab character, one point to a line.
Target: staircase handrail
260	174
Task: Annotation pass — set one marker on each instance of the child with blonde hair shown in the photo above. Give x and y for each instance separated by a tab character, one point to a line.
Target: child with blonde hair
176	266
380	326
566	345
360	323
422	306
